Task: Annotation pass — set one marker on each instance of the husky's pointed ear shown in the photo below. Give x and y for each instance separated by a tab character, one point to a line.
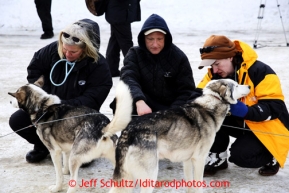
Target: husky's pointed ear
19	95
12	94
40	81
223	90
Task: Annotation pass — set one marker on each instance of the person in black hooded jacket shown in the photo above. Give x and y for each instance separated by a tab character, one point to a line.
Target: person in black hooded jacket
88	83
157	72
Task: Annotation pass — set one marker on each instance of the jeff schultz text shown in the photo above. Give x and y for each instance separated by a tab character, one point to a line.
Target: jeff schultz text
145	183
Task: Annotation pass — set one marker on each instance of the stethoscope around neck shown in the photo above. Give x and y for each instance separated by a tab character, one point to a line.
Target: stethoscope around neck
72	64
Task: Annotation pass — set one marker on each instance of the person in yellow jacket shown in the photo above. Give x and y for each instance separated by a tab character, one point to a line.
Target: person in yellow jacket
259	121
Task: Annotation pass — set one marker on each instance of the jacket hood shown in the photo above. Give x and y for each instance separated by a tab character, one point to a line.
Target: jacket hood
248	54
95	36
155	21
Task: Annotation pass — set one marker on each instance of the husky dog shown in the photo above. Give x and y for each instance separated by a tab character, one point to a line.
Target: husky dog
74	131
184	134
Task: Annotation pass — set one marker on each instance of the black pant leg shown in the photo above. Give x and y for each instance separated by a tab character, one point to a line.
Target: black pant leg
43	8
113	53
249	152
124	37
120	40
222	138
20	119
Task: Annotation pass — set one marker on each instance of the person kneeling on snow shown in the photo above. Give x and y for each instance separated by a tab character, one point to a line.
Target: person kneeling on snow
74	70
258	121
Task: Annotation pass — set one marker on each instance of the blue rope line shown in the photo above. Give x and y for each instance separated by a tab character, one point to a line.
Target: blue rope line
72	64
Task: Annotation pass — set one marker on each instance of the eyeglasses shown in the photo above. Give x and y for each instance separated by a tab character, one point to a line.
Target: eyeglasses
75	39
209	49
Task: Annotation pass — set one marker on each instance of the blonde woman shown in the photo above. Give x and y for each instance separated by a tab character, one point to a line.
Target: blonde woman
74	70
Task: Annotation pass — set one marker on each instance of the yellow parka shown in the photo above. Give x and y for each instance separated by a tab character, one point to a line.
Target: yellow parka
267	114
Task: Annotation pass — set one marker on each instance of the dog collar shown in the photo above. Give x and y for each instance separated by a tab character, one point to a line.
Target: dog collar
217	97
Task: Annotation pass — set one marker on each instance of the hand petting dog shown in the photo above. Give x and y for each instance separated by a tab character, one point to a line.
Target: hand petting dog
239	109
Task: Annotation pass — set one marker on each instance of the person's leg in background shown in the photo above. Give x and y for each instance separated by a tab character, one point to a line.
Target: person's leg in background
113	53
21	119
43	8
120	40
124	38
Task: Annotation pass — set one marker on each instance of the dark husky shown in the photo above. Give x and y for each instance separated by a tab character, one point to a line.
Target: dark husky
183	134
75	131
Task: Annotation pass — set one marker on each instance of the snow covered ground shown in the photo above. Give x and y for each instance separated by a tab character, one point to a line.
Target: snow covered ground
190	22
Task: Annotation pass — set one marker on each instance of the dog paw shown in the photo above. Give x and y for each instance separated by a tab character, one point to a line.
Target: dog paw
54	188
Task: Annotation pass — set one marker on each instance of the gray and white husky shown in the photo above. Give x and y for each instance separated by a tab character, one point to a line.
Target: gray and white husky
184	134
77	132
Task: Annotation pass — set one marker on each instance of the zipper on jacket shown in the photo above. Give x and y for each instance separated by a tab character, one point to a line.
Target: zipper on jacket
243	78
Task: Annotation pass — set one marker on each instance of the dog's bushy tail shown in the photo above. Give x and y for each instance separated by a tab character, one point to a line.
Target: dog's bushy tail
123	110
